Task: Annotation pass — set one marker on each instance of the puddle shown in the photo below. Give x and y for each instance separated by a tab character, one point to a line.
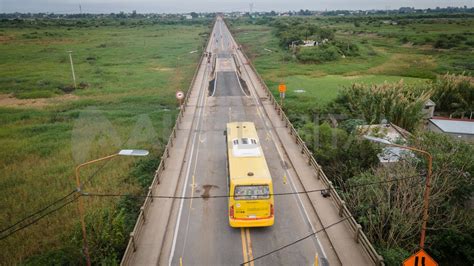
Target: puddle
207	190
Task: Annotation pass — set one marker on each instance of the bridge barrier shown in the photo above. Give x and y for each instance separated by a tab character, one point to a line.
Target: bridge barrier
359	236
141	220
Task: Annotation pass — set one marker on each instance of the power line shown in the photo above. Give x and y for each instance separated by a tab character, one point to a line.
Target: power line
38	212
228	196
158	196
39	218
297	241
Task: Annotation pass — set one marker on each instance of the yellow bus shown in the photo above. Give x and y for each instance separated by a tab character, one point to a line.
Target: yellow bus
250	184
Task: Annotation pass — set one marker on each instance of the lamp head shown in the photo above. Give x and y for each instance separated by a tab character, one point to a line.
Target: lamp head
379	140
133	152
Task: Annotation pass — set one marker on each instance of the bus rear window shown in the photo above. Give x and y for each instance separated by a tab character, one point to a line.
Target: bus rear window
251	192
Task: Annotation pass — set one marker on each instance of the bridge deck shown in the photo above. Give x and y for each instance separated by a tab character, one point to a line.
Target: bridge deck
196	231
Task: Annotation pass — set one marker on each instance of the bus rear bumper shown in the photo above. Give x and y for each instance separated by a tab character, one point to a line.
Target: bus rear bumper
251	222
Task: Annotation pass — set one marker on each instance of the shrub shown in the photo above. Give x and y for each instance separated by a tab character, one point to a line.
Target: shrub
454	93
342	155
399	103
445	41
318	54
347	48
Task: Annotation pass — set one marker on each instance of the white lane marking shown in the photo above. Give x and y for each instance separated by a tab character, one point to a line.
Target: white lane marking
200	123
301	205
186	180
215	81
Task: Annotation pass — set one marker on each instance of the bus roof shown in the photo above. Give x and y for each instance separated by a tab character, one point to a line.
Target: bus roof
246	158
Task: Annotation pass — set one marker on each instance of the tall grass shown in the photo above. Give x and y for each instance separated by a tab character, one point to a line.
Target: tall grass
454	93
130	76
397	102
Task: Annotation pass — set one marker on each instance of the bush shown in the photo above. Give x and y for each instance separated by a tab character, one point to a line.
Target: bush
341	155
292	30
390	212
454	93
397	102
347	48
394	256
318	54
445	41
404	40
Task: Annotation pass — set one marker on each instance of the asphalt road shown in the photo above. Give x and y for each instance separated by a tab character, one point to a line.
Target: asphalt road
202	232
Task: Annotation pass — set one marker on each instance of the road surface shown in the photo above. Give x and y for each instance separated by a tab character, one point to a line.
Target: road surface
196	231
203	235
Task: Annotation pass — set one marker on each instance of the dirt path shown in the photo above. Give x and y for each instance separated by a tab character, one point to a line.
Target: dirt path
8	100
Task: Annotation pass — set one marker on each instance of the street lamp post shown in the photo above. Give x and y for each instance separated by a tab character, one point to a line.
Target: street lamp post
72	69
426	196
79	190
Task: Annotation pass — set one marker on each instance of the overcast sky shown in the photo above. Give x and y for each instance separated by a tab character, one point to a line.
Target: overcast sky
180	6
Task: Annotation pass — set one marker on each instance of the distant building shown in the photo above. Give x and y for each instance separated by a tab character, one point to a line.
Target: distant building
458	128
406	10
462	129
309	43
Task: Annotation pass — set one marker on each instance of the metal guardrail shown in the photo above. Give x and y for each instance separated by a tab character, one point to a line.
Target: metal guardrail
359	235
141	220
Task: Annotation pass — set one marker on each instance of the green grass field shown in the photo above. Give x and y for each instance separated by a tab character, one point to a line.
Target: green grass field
324	89
383	56
127	77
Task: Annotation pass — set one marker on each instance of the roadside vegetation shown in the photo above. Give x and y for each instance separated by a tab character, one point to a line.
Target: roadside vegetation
127	73
391	67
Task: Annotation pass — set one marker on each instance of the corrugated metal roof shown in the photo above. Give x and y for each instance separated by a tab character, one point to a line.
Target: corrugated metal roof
454	126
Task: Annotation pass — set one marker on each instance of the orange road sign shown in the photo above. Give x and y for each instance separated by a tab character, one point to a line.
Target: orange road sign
282	88
421	258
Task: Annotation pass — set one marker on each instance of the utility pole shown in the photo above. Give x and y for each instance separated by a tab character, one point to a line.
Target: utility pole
72	69
80	9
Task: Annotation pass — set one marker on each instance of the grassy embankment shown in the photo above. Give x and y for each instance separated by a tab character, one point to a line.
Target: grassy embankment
127	76
387	53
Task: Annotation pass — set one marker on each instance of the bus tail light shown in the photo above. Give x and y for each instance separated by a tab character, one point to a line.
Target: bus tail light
272	211
231	212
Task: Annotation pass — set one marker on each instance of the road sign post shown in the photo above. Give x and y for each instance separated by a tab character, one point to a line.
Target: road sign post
282	90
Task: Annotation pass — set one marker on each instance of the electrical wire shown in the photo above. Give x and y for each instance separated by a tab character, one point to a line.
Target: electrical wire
39	218
37	212
86	194
57	201
152	196
297	241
